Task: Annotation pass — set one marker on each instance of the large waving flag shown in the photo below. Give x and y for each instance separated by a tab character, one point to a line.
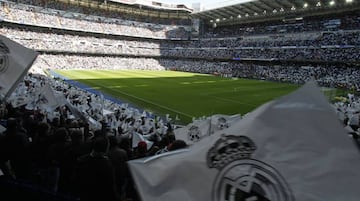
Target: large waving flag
15	61
290	149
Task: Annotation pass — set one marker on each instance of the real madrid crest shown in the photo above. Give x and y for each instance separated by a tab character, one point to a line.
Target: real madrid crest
242	178
194	133
4	59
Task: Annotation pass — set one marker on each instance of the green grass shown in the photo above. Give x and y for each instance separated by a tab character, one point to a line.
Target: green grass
184	94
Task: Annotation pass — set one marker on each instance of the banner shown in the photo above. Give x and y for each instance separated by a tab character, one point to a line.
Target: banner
15	61
290	149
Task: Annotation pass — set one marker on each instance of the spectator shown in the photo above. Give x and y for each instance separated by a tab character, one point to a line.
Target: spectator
15	145
95	174
118	158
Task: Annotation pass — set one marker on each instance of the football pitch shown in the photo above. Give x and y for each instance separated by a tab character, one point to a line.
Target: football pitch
181	94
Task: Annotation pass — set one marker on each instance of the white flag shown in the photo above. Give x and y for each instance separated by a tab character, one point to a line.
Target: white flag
93	123
15	61
47	99
199	129
76	112
107	112
21	100
61	100
137	137
290	149
194	132
220	121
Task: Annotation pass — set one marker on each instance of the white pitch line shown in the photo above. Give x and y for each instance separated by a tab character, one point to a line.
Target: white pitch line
147	101
234	101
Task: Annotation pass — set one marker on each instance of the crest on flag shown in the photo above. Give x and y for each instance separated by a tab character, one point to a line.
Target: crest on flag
4	59
242	178
194	133
222	123
15	61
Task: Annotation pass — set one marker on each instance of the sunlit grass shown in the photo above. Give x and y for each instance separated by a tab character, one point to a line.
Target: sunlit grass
178	93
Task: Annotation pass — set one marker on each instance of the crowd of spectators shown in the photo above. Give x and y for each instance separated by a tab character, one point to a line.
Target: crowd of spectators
91	62
72	17
332	54
311	43
331	22
333	76
75	43
348	111
59	148
330	46
25	14
102	9
304	39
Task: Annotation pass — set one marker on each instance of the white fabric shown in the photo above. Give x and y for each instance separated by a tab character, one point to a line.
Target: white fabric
16	61
298	136
199	129
136	138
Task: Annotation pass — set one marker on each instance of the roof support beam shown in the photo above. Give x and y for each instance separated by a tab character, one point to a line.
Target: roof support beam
265	5
283	4
236	11
218	13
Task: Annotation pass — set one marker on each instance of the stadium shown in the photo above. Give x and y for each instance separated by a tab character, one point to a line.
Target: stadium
96	95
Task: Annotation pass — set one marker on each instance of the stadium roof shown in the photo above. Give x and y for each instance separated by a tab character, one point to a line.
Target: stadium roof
260	10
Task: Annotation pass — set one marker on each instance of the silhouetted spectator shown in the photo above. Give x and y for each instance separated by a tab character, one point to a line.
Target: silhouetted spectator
77	148
56	155
95	175
177	144
118	158
15	146
141	150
